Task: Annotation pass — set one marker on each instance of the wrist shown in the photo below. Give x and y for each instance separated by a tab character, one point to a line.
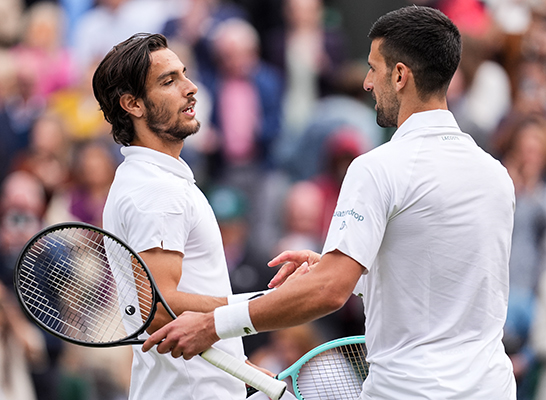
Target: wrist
240	297
233	321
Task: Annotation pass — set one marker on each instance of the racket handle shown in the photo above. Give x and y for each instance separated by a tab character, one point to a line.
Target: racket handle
239	369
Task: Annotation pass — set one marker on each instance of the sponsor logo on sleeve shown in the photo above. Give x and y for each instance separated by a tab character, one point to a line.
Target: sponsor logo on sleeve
349	213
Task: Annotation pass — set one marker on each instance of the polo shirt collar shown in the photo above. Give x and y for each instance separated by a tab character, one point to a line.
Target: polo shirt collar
426	120
175	166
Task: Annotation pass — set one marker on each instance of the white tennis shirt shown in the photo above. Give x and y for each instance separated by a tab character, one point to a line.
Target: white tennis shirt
430	215
154	202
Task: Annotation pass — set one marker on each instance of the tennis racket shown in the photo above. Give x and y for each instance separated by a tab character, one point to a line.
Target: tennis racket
332	371
86	286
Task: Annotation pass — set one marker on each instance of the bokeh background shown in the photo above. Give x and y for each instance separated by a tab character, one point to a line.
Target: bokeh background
283	113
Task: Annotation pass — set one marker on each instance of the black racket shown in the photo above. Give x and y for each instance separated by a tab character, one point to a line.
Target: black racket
86	286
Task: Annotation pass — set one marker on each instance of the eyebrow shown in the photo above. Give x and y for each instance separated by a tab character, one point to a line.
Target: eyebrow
168	73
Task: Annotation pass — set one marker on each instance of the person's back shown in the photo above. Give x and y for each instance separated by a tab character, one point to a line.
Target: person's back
436	294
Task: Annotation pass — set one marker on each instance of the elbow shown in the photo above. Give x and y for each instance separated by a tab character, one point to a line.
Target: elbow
332	299
338	302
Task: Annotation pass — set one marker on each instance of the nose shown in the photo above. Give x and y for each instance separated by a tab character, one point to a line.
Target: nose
190	88
367	84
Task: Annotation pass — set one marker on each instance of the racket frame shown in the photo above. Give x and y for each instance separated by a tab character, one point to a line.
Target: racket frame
294	370
131	339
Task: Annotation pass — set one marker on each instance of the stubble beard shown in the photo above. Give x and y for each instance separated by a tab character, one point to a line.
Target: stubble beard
157	120
387	117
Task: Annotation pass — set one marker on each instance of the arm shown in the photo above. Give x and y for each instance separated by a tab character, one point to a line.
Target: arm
166	268
323	290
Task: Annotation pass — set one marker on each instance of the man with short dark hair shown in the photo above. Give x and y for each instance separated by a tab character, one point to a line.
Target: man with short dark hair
421	231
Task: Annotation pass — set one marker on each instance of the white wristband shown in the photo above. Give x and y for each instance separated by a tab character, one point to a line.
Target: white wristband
233	321
237	298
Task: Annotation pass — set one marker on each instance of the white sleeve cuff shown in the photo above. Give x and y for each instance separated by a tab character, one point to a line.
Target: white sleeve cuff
237	298
233	321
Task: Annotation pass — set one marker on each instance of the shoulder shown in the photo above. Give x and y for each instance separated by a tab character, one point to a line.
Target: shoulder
149	189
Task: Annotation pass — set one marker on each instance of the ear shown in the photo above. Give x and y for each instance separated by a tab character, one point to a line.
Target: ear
132	105
401	75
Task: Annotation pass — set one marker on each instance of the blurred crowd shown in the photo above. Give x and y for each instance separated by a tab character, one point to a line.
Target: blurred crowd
282	113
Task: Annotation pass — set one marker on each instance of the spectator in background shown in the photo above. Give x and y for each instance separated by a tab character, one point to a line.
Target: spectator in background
22	203
84	196
21	106
11	12
247	264
247	97
11	140
309	54
22	348
112	21
195	26
302	217
78	110
48	154
42	51
74	10
246	115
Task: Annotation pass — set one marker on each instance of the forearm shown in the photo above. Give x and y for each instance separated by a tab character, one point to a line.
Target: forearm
299	301
180	302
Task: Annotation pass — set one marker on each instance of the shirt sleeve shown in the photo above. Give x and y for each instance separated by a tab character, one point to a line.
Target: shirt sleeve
360	218
163	220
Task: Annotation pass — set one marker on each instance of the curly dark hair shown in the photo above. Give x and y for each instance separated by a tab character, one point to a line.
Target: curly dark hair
425	40
123	71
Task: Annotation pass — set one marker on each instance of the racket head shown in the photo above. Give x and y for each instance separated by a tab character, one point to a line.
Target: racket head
334	370
85	285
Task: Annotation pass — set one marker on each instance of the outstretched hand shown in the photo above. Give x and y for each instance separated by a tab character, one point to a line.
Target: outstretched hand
188	335
296	263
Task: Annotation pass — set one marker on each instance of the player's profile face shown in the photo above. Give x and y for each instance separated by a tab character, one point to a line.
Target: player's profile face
378	82
169	100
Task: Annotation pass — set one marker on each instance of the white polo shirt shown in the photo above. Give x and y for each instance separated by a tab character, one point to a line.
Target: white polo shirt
154	202
430	215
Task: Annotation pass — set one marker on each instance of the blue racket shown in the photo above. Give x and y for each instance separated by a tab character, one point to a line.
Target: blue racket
332	371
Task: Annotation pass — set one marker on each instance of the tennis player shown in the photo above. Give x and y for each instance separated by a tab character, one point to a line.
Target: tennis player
155	206
422	232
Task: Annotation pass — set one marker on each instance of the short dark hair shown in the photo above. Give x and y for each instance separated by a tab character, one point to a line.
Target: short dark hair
123	71
425	40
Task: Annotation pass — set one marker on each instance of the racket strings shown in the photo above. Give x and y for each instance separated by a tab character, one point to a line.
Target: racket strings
55	276
334	374
85	285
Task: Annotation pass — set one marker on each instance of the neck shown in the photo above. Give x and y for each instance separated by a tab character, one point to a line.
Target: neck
152	141
407	109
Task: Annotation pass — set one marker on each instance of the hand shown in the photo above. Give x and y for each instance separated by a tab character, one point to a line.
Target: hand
265	371
188	335
297	263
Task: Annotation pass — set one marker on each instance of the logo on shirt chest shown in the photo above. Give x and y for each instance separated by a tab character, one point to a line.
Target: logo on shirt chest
449	138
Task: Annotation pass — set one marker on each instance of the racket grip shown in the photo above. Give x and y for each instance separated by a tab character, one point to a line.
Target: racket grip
272	387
